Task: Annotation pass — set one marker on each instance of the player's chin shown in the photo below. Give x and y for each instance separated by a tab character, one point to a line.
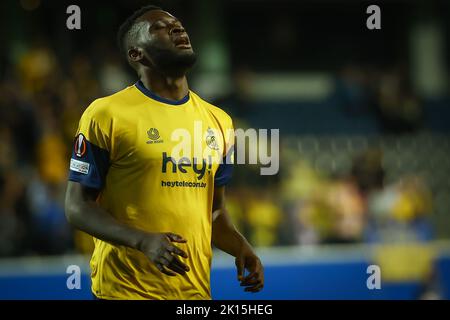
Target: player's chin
185	50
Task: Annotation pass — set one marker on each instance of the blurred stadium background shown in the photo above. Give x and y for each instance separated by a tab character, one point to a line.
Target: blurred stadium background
364	123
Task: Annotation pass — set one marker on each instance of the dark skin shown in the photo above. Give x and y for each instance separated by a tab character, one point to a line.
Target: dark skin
164	31
228	239
160	29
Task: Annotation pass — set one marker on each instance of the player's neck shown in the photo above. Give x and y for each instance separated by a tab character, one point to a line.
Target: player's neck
172	88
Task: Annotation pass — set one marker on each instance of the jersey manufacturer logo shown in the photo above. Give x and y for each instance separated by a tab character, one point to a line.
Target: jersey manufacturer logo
80	146
153	136
211	140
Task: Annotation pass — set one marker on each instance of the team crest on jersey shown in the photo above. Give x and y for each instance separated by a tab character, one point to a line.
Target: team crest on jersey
80	146
153	136
211	140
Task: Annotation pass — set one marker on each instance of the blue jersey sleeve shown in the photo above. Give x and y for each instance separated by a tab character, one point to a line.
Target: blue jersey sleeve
225	171
89	163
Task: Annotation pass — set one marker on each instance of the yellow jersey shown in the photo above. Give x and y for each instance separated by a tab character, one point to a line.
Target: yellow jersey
156	163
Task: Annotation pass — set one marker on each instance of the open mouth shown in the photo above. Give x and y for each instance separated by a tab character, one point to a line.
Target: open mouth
183	46
182	43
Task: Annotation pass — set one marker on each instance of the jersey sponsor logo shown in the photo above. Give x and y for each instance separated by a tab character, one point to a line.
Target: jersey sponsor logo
153	136
79	166
182	164
80	146
211	140
185	184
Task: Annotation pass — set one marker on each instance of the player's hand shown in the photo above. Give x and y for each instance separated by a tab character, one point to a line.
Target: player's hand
254	281
159	248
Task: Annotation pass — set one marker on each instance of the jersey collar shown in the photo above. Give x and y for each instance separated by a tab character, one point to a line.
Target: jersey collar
154	96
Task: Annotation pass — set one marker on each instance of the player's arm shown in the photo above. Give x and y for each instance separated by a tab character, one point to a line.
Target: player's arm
227	238
83	212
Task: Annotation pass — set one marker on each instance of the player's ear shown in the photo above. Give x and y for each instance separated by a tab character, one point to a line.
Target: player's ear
135	54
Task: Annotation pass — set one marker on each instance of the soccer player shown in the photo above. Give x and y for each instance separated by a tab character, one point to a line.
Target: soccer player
153	215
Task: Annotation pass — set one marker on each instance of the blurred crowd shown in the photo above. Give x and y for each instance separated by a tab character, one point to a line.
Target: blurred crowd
307	206
42	98
41	101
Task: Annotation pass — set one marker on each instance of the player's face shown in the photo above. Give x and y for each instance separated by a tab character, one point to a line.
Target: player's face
165	42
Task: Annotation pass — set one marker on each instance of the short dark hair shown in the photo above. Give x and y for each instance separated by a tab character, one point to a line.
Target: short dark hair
128	29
